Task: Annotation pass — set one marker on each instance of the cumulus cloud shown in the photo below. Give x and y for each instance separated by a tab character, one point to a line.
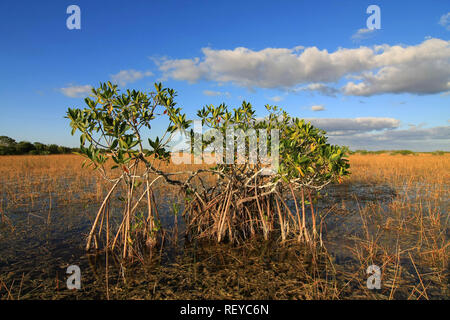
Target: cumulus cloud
74	91
445	21
363	34
418	69
374	133
268	68
180	69
413	138
215	93
318	87
129	76
276	98
419	78
319	107
345	126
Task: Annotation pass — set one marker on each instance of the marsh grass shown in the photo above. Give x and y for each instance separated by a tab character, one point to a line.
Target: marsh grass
392	211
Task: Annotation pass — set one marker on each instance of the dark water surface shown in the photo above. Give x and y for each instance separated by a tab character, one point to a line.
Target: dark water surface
38	244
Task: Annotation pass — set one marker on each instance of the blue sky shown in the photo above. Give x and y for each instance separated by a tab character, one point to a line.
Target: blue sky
383	89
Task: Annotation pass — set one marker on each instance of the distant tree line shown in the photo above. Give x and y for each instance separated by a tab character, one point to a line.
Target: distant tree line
395	152
9	146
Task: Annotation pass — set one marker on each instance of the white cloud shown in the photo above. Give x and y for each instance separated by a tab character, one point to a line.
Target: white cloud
276	98
363	34
215	93
345	126
129	76
74	91
422	77
180	69
413	138
373	133
445	21
318	87
319	107
416	69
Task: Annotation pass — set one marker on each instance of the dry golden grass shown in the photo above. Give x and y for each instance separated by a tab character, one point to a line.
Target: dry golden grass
400	169
26	178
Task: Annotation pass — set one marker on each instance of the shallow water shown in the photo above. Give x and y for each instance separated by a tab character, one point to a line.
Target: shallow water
38	244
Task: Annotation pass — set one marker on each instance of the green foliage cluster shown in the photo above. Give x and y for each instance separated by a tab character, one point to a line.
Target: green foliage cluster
306	158
112	124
